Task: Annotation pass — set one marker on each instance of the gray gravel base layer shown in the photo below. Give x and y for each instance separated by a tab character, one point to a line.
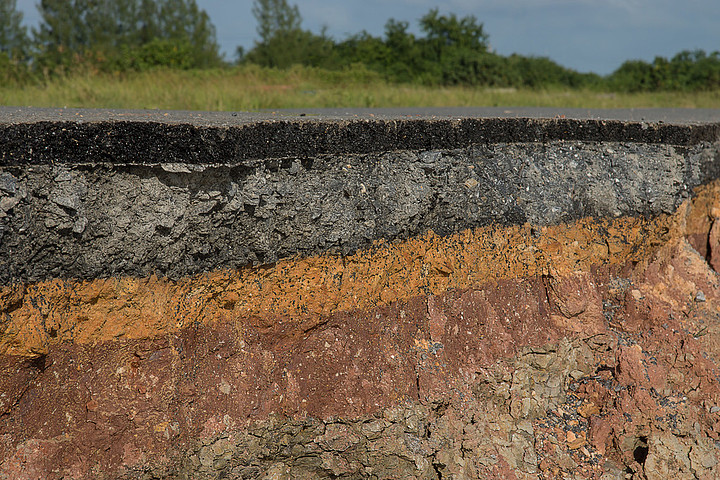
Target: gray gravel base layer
89	220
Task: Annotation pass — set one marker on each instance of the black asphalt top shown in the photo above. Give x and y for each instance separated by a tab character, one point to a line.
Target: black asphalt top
51	135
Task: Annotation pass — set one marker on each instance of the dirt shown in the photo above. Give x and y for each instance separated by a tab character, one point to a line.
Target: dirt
582	350
303	291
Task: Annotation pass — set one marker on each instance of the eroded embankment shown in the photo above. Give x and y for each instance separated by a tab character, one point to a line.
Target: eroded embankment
584	348
538	310
296	295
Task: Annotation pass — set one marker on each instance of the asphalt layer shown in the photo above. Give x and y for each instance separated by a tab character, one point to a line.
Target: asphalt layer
677	116
96	193
31	136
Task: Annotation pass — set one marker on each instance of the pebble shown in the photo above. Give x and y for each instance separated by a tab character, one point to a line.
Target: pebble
8	183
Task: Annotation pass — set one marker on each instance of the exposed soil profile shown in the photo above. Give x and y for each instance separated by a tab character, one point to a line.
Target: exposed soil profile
585	347
596	353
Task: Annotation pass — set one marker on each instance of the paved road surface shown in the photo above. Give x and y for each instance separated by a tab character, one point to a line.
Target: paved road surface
665	115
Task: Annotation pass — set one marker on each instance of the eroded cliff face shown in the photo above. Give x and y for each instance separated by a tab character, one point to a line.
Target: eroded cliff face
580	349
547	333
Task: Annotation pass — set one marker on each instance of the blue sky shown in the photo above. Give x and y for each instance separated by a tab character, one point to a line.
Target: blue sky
587	35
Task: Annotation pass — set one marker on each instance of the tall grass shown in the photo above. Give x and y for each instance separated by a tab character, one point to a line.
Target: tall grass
254	88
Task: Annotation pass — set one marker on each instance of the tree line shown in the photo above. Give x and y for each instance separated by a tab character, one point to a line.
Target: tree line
106	35
127	35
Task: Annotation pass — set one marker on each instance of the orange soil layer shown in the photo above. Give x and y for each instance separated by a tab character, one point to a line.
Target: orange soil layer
304	291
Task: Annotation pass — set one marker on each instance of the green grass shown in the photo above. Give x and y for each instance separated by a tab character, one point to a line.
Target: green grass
254	88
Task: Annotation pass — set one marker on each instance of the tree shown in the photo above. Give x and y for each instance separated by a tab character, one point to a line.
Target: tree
363	48
110	33
447	31
405	59
633	76
183	21
275	17
453	48
13	45
283	42
13	34
693	70
67	29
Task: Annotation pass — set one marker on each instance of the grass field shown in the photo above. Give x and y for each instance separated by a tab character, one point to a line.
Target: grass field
254	88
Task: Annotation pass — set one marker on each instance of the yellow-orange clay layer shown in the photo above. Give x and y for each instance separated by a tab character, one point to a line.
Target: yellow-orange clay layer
302	291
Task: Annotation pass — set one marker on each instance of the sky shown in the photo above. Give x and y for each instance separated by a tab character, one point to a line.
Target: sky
585	35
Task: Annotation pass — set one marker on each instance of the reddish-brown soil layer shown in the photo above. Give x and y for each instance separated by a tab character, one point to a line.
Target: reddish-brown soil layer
570	351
